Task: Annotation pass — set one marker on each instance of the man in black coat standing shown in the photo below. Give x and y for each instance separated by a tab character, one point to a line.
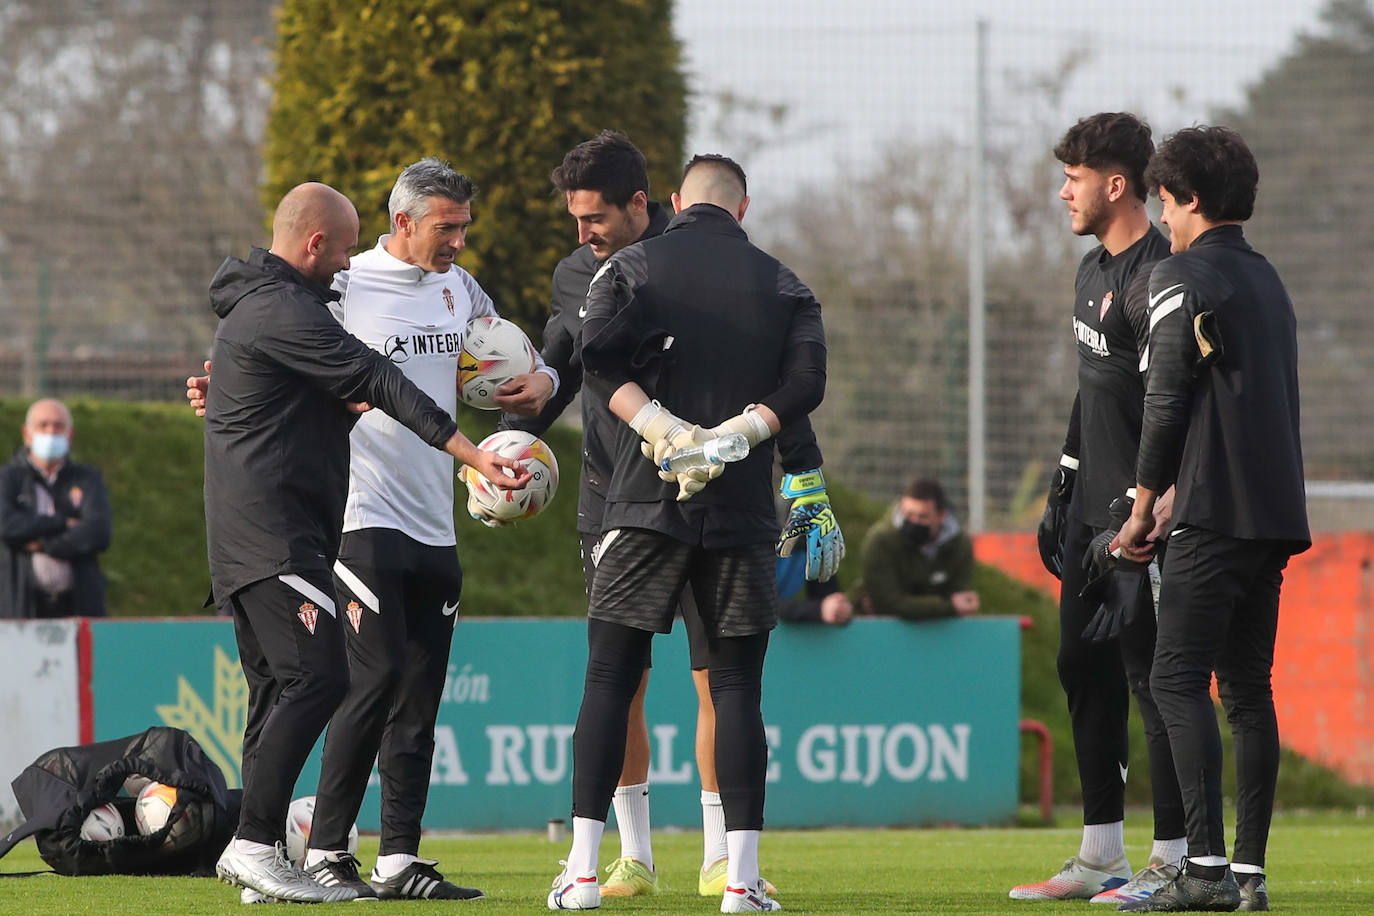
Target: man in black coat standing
289	383
54	523
1221	425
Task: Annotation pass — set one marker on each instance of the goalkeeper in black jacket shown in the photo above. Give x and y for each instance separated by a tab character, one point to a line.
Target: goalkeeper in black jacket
1221	426
724	335
606	182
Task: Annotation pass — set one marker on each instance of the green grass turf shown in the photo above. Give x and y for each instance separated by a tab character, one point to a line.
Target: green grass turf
1319	863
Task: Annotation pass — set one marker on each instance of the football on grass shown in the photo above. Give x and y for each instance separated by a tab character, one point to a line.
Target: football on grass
494	352
298	818
529	500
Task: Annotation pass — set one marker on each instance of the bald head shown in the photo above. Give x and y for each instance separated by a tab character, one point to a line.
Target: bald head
313	229
47	433
46	414
714	180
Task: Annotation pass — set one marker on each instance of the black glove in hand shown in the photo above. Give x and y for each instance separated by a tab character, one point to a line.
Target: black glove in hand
1050	535
1117	586
1120	592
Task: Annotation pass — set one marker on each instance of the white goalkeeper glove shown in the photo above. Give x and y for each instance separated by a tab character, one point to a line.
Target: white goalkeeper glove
748	424
664	434
811	522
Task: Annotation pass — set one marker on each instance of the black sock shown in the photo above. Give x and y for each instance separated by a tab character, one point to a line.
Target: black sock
1205	872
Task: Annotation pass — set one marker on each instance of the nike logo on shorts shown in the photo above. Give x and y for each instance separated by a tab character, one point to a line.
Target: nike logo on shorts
449	609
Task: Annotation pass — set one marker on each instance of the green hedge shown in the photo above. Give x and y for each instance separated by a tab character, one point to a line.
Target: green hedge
151	456
501	88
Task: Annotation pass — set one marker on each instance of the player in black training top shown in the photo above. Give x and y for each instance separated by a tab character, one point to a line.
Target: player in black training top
606	182
721	333
1221	426
1102	661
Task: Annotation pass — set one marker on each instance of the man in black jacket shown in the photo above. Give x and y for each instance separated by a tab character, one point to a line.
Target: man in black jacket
1221	425
716	328
606	183
54	522
276	477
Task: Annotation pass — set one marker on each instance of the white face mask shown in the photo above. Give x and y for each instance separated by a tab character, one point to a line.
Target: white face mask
48	446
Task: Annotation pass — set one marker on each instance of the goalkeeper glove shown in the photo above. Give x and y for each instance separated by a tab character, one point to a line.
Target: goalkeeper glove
748	424
1050	535
1119	587
663	434
811	522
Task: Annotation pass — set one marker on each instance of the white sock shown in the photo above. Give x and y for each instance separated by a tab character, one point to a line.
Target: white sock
1102	843
315	856
1241	868
1208	861
712	829
248	847
743	869
632	820
1170	852
389	866
586	846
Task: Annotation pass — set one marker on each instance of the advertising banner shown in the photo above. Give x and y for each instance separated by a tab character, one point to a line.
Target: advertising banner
882	722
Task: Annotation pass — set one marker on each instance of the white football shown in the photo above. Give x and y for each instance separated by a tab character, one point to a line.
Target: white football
298	818
529	500
494	352
154	807
102	824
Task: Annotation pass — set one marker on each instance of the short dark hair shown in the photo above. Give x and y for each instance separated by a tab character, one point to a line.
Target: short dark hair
717	159
1111	139
608	163
1212	164
927	488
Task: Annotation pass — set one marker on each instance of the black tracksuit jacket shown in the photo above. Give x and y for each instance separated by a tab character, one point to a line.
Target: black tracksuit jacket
707	324
276	424
562	349
1225	432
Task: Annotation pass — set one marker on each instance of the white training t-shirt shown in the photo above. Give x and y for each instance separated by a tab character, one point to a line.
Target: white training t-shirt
416	318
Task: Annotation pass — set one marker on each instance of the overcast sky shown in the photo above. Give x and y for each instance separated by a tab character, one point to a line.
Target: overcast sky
857	73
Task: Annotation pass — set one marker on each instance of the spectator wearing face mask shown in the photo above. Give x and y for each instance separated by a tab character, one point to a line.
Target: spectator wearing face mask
54	520
917	561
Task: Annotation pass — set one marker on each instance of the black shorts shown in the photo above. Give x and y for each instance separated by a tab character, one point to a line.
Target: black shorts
691	618
641	577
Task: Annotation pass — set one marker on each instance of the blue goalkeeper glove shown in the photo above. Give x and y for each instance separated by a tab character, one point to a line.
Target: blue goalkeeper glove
813	523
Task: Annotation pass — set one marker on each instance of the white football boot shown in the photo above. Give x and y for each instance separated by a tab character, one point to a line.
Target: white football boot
271	874
1076	881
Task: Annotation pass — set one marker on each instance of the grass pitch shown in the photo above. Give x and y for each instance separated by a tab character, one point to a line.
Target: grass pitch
1318	864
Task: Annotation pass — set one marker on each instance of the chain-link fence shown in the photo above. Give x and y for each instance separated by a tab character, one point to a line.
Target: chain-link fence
130	130
858	127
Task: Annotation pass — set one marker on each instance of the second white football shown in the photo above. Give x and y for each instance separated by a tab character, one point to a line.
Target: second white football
102	824
494	352
299	816
529	500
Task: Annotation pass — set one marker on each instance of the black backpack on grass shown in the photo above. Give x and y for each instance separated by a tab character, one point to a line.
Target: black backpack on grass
58	790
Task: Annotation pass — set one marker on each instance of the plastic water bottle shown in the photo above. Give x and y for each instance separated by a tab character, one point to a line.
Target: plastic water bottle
723	449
